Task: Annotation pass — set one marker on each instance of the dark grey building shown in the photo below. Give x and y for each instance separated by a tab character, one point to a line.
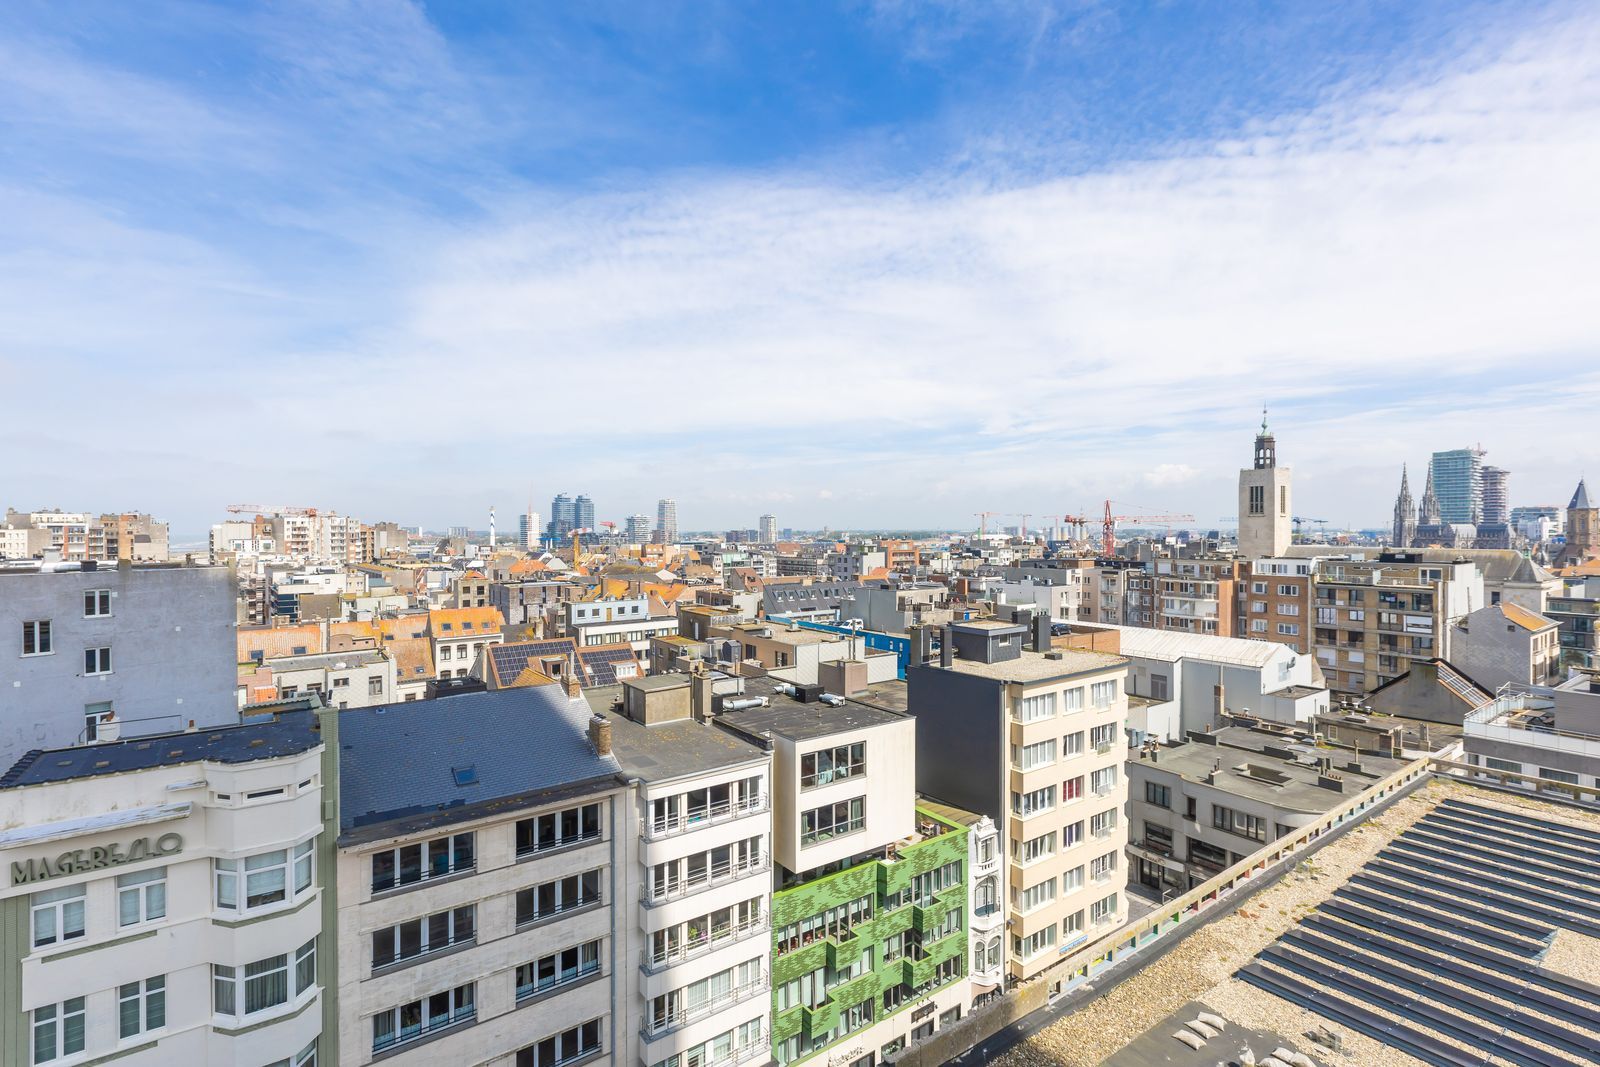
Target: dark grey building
92	652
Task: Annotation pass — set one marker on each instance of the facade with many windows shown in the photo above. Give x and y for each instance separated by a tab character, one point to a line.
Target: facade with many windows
167	898
481	869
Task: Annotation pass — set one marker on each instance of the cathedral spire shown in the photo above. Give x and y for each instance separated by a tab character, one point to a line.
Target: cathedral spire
1405	526
1428	513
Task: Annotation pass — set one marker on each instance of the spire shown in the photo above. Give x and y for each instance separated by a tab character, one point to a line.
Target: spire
1266	447
1263	420
1580	499
1428	513
1404	510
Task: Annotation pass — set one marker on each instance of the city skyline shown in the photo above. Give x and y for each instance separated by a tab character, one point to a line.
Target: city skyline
961	249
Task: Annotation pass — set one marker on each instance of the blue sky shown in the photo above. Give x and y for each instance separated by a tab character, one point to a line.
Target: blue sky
873	264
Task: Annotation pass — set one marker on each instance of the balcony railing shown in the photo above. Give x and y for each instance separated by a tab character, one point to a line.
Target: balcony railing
587	900
667	1022
1103	831
432	1026
707	816
524	851
655	894
714	938
560	981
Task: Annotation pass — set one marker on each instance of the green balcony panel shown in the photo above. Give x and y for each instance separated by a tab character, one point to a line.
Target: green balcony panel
791	965
855	991
820	1020
787	1023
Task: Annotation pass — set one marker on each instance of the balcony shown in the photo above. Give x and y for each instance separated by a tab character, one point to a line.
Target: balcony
665	1023
657	894
821	1019
709	940
1103	832
857	989
696	818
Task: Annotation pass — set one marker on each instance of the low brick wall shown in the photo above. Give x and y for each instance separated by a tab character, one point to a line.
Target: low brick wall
976	1028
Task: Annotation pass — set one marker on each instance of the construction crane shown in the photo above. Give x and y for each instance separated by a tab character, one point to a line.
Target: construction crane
1076	523
268	509
1024	516
1108	532
983	522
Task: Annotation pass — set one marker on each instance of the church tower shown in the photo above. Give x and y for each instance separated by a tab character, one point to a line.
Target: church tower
1265	510
1583	526
1405	511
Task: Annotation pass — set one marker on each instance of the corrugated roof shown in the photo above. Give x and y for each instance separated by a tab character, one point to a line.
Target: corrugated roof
1172	645
397	761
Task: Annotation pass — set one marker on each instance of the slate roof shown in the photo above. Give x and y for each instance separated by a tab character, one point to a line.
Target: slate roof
1580	499
286	733
398	763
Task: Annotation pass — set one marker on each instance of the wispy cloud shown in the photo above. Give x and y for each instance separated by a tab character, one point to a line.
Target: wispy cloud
1407	264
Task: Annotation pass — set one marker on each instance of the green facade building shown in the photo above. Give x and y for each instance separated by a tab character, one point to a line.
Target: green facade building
863	958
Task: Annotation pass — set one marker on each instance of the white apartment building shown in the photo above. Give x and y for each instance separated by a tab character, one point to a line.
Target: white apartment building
169	900
358	678
701	986
614	620
1036	741
480	872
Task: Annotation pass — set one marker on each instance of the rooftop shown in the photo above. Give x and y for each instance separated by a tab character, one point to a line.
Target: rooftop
361	657
1172	645
285	728
1272	767
668	750
1040	666
788	718
407	767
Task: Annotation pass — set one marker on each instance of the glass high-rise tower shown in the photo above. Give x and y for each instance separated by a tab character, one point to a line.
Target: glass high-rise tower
1458	485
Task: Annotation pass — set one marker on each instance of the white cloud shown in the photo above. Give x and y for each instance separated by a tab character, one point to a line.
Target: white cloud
1381	269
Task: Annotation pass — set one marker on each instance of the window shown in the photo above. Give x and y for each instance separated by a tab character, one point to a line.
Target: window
1158	687
341	683
141	897
1038	707
1159	795
1072	789
1103	823
266	881
1237	822
1073	699
1038	896
421	860
567	1046
1071	834
1551	775
1103	911
553	898
1026	948
1103	738
1072	926
304	854
57	916
1258	587
375	686
421	1017
418	937
833	764
1258	500
96	603
1103	781
1040	800
58	1030
1072	881
832	820
94	716
97	660
1072	745
558	969
1034	849
1038	754
36	638
1103	867
557	829
1494	763
305	966
1103	693
142	1006
1289	629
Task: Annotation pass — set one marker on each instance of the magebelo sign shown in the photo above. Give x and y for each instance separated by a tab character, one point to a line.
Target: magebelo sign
84	860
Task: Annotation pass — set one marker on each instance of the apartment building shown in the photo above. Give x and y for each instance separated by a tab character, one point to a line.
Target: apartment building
1197	807
168	898
612	620
1122	593
795	653
1576	611
1276	605
483	875
1035	740
353	679
1375	617
460	635
701	989
1504	644
112	651
1064	594
1198	596
1550	733
869	905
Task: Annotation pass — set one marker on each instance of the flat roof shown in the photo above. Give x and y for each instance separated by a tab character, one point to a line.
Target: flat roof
1239	746
668	750
1038	667
989	625
658	682
788	718
288	731
948	812
356	657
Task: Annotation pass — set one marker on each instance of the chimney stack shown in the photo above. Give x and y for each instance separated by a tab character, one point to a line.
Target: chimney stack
947	648
574	684
600	734
1041	632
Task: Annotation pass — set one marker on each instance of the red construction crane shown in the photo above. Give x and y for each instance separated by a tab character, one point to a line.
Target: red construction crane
1108	533
1076	523
983	522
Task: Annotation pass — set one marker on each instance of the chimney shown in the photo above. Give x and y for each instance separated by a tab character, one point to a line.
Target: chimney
1219	703
947	648
1041	632
600	735
574	685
